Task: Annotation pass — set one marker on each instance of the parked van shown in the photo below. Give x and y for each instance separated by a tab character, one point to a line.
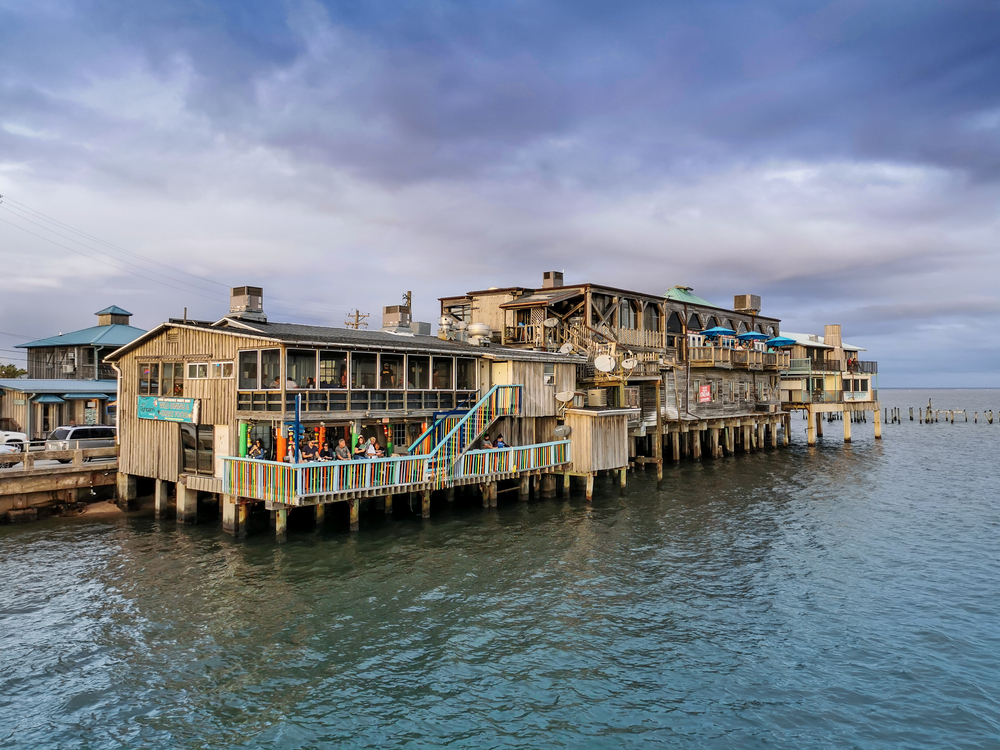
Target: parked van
71	438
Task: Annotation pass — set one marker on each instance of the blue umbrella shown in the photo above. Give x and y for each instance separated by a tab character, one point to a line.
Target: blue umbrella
751	336
780	341
719	331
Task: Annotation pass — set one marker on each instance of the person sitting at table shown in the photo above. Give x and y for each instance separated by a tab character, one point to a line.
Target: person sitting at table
310	452
256	450
342	453
325	454
487	443
371	450
360	449
500	443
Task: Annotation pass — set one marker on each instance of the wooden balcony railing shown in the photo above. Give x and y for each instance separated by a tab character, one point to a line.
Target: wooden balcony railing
710	356
777	360
811	397
748	359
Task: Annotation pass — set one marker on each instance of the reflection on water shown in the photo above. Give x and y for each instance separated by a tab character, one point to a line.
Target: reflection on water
833	596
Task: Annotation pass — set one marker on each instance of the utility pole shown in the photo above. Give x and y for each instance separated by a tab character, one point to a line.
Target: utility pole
408	299
356	320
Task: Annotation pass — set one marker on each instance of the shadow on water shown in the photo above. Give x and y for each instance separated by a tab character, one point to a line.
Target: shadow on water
808	597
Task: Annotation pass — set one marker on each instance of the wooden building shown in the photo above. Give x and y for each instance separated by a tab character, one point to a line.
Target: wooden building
827	378
37	406
193	397
647	352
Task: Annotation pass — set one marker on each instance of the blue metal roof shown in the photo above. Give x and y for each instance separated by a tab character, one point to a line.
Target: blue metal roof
85	395
113	310
48	399
59	386
110	336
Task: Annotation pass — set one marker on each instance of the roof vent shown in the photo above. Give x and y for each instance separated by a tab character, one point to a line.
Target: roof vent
247	303
112	316
552	279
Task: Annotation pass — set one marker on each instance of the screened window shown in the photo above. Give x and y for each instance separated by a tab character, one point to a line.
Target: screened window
444	368
173	379
248	370
651	318
863	386
270	368
364	369
332	370
301	367
465	371
693	323
149	379
712	322
391	372
418	371
626	315
197	448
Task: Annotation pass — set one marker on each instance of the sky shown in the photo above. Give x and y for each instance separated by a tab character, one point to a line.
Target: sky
840	159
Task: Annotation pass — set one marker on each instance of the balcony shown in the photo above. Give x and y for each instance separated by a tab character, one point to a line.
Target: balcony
864	368
856	396
634	337
353	400
748	359
811	397
777	360
806	366
710	356
534	335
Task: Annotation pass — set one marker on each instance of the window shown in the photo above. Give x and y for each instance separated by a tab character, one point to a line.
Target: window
863	385
549	374
651	317
465	371
300	367
390	374
220	370
742	327
712	322
601	305
693	323
270	368
248	370
197	370
732	390
444	370
332	369
626	315
173	379
460	312
363	370
418	373
149	379
197	448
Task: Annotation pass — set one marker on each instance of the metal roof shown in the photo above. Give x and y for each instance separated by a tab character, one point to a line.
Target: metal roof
113	310
808	339
59	386
114	335
544	297
683	294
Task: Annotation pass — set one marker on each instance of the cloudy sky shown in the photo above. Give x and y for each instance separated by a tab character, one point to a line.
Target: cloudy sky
841	159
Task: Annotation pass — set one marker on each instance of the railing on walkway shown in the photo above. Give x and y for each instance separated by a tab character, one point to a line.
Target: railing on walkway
748	358
777	360
865	368
485	463
789	396
710	356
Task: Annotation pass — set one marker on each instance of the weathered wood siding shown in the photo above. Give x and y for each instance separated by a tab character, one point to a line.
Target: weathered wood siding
486	309
150	448
527	431
599	440
539	397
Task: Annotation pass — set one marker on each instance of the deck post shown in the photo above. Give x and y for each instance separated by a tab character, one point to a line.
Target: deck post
774	433
847	425
675	444
730	440
696	444
126	489
747	439
548	485
187	504
160	499
320	513
565	485
624	479
590	487
787	437
761	442
425	504
242	518
524	488
355	514
281	524
811	420
819	424
493	494
713	434
388	504
658	439
878	424
230	525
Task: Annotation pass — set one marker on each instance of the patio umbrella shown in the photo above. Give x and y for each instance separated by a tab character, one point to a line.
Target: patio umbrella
780	341
751	336
719	331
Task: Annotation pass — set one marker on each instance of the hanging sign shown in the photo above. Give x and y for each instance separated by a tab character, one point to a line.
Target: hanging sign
168	409
704	394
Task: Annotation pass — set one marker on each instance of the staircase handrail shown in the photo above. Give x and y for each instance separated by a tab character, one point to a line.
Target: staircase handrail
490	394
434	426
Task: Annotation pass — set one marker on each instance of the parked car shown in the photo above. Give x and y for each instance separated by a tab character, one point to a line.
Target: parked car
72	437
15	440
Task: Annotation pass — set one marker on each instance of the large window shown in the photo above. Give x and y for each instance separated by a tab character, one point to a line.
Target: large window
391	373
364	368
332	370
465	371
693	323
651	317
173	379
301	368
248	371
626	315
149	379
443	379
418	373
197	447
270	368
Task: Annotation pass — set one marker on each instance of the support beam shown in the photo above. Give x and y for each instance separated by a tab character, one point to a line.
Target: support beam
355	514
229	523
425	504
281	524
187	504
819	424
242	518
811	421
675	443
696	444
126	489
590	487
774	433
747	446
787	437
449	495
388	505
494	493
847	425
320	514
716	449
761	441
624	479
878	424
658	438
524	489
160	499
566	486
548	486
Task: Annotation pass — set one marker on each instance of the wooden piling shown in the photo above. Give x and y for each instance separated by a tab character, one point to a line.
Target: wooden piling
878	424
847	427
811	428
320	516
590	487
566	485
355	514
229	522
624	479
548	486
388	505
187	504
281	524
675	444
524	489
425	503
160	499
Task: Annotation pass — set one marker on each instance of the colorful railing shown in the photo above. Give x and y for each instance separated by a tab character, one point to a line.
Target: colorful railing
263	480
485	463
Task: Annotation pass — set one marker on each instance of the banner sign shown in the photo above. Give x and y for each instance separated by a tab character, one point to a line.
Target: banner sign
704	394
168	409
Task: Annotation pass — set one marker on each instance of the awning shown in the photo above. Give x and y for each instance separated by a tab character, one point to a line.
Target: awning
48	398
87	396
112	398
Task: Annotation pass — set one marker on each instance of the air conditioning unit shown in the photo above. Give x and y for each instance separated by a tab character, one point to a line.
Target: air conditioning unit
69	369
747	303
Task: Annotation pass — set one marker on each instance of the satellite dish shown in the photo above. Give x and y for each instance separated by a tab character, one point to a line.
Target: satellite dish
604	363
562	431
566	348
565	396
630	364
550	322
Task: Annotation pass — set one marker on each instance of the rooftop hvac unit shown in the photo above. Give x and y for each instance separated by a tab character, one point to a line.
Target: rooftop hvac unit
747	303
597	397
69	369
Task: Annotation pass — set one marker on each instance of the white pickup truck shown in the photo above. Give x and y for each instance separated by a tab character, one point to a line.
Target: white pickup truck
12	442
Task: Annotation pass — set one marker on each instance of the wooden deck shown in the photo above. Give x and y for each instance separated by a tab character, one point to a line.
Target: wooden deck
34	480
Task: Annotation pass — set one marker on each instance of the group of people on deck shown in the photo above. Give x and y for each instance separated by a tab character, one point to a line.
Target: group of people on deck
310	451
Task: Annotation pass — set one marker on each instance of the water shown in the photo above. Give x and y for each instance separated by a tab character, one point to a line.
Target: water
802	598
